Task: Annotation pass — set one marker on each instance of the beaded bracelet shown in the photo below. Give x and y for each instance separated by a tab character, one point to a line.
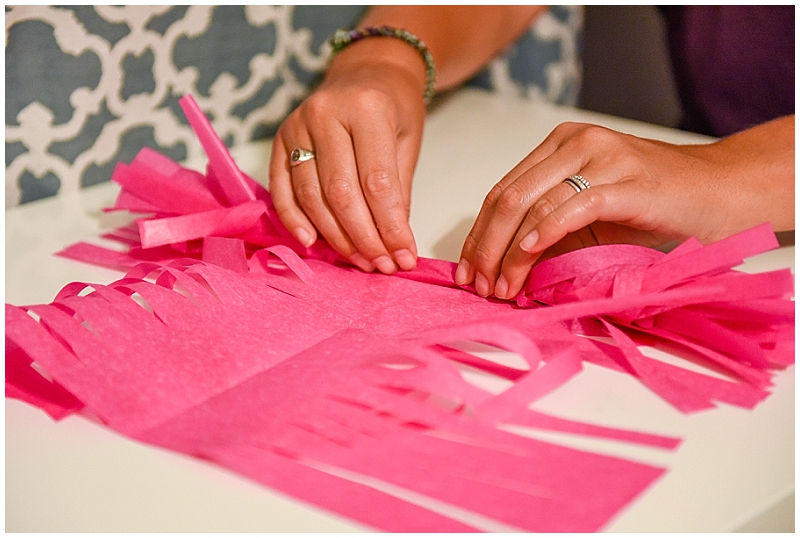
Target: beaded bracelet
343	38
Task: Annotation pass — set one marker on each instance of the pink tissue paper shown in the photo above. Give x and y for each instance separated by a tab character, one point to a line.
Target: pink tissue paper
229	341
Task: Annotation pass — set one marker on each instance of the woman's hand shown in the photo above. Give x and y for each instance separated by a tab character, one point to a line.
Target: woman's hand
364	124
641	191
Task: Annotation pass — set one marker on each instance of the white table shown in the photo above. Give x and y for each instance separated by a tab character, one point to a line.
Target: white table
735	469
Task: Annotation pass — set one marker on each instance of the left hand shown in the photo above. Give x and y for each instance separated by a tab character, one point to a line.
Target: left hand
642	191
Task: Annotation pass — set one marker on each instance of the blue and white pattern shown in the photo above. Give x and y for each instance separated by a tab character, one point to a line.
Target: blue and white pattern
89	86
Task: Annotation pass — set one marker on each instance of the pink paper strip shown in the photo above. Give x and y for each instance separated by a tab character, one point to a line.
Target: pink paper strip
161	183
220	162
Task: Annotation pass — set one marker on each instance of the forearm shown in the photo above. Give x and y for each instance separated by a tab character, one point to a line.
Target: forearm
461	39
756	167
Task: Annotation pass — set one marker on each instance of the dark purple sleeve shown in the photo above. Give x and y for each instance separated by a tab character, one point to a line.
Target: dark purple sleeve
734	65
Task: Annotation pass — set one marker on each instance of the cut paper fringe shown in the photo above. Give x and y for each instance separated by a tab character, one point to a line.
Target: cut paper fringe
229	341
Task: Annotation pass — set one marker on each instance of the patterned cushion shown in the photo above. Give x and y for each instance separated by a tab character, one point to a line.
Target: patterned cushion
89	86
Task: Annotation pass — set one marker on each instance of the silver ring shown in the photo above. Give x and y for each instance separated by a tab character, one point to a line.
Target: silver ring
300	155
577	182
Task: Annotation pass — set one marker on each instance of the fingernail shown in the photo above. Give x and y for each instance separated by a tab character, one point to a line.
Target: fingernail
405	259
481	285
501	287
362	263
529	241
305	238
385	265
462	272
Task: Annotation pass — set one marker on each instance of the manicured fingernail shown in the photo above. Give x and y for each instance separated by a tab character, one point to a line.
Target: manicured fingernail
501	288
362	263
481	285
385	265
405	259
304	237
462	272
529	241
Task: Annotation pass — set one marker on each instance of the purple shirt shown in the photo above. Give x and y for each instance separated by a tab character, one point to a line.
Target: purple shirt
734	65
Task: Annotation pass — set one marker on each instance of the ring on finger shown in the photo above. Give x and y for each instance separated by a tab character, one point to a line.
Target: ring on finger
577	182
300	155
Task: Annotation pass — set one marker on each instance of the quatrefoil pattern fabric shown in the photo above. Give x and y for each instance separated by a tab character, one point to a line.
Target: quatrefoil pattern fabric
90	86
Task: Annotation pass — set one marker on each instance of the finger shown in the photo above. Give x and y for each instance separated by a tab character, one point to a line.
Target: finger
376	155
310	198
510	210
342	192
487	217
581	238
621	203
517	262
465	272
283	196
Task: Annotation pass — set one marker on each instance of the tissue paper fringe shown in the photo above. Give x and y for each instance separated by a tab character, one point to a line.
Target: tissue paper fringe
229	341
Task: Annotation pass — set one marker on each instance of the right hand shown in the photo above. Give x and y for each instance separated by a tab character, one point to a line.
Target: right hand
364	124
643	192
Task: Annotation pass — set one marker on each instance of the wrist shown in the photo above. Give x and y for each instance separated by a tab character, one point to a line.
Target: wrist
380	61
390	46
